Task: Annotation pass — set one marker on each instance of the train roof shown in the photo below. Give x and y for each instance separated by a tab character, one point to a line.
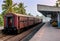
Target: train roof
25	15
22	15
18	14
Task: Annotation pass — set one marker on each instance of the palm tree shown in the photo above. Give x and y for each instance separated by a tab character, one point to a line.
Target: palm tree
21	8
15	9
7	6
30	14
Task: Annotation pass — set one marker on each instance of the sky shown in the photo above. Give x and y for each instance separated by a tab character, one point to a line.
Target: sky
32	5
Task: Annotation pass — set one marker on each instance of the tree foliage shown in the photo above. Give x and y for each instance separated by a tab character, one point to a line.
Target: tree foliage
1	20
20	9
7	6
30	14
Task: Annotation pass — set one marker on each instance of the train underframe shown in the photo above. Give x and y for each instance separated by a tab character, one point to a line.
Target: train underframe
9	30
14	30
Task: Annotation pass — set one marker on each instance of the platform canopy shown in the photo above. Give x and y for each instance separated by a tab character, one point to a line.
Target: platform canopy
46	10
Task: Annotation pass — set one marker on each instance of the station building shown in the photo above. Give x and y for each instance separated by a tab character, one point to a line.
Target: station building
52	11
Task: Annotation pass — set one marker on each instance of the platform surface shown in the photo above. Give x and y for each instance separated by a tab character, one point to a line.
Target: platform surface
47	33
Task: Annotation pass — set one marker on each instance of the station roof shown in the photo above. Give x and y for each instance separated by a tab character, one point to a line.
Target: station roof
45	9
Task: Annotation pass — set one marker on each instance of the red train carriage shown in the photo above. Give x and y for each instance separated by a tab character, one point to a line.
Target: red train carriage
14	23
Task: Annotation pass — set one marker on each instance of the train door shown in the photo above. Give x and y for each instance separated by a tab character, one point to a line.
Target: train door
10	21
18	22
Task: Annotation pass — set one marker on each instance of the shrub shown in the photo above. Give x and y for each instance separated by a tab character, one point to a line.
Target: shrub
1	21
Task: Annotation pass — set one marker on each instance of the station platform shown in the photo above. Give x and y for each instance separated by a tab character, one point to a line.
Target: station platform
47	33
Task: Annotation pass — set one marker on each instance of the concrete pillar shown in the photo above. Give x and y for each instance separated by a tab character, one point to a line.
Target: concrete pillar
58	18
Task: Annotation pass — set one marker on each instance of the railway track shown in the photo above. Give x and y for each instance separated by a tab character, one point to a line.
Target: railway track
15	37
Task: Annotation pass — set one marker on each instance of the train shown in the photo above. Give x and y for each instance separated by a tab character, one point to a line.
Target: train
54	23
15	23
54	20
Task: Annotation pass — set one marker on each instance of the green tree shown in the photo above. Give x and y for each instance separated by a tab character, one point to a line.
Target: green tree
30	14
20	9
37	15
1	20
7	6
15	9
